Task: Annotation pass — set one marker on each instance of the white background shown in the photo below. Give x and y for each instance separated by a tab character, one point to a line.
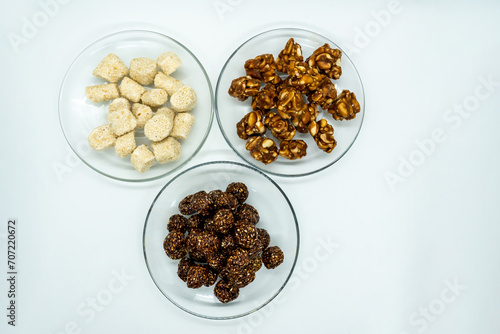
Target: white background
397	248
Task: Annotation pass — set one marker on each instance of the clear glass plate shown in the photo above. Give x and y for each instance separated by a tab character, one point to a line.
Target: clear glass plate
276	215
78	115
229	110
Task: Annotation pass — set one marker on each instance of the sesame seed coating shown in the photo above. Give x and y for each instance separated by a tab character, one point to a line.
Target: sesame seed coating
142	113
177	222
121	121
185	205
131	90
238	190
167	150
118	104
264	237
142	158
125	144
272	257
101	138
183	122
168	83
100	93
169	62
184	99
247	214
175	245
226	292
111	68
197	276
143	70
154	97
158	127
183	267
245	234
223	221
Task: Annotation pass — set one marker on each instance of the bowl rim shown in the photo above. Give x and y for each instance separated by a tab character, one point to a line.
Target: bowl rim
125	32
297	230
253	163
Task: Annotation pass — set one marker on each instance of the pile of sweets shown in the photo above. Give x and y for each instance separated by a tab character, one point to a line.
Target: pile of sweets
278	101
219	238
135	107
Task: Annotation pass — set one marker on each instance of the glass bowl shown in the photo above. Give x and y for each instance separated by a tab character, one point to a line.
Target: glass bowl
229	110
276	215
78	115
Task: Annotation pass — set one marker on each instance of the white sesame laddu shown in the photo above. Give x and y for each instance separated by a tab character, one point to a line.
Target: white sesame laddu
104	92
168	83
184	99
101	138
169	62
131	89
154	97
169	149
118	104
121	121
111	68
142	113
142	158
125	144
143	70
158	127
183	122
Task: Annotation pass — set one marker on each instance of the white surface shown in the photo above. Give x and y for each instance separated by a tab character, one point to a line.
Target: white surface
395	250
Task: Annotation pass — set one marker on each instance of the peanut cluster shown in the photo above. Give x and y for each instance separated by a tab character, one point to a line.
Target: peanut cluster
280	106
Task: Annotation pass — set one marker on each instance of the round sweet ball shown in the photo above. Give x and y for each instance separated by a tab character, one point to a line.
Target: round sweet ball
211	276
247	214
272	257
220	199
238	190
228	244
143	70
226	292
175	245
242	278
245	235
